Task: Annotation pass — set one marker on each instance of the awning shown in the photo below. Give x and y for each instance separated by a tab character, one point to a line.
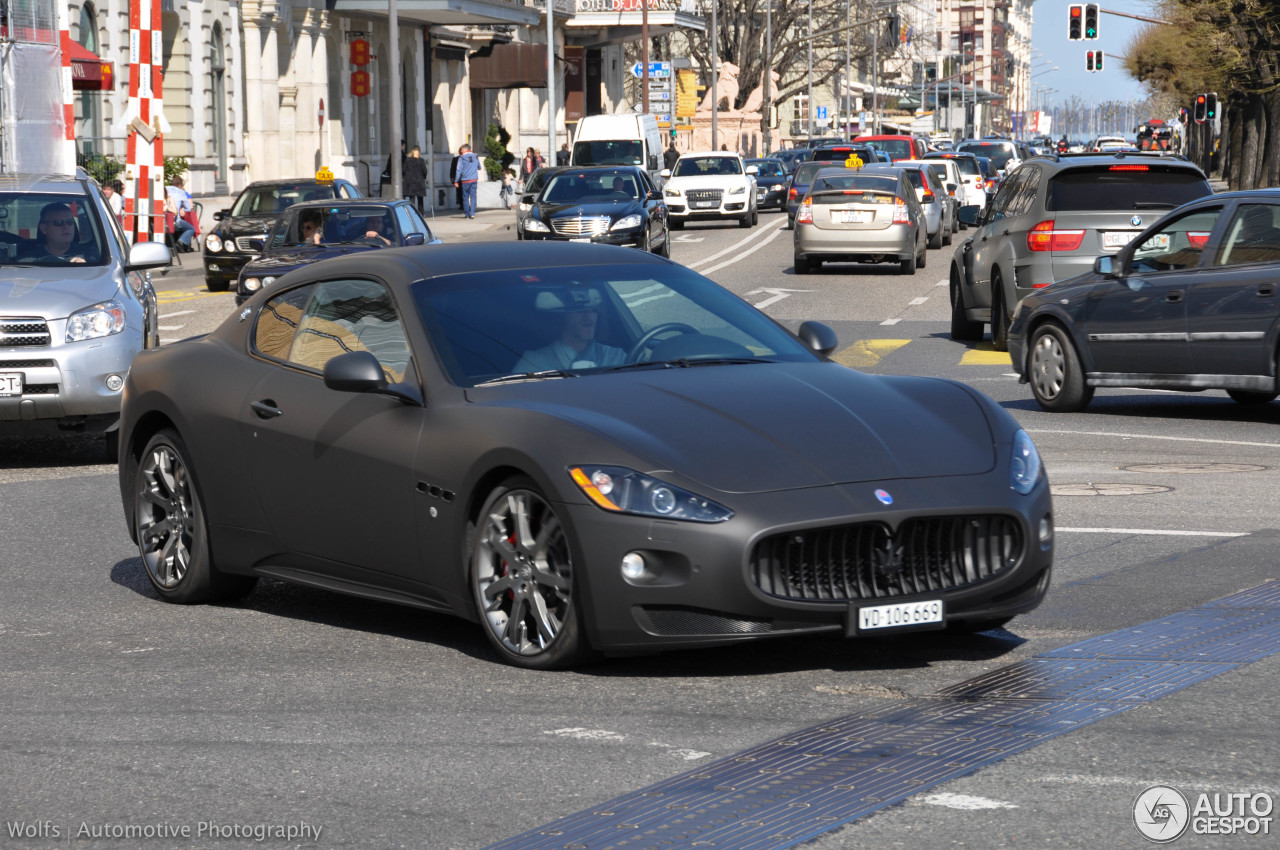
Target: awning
446	11
509	66
89	72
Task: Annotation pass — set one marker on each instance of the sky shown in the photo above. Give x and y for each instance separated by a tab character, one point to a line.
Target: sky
1049	37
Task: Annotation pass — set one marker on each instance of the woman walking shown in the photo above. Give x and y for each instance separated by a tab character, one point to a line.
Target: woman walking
415	177
529	164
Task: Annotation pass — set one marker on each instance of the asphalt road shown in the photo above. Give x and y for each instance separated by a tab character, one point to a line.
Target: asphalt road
386	727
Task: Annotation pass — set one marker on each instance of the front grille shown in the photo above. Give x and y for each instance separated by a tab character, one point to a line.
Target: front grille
242	243
581	226
23	331
869	561
40	389
27	364
704	197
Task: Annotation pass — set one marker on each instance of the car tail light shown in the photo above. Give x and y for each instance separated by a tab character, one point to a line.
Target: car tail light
900	215
804	215
928	193
1129	168
1043	237
991	185
1197	239
791	194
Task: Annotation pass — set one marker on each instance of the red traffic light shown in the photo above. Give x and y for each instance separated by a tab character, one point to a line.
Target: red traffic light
1199	99
1075	11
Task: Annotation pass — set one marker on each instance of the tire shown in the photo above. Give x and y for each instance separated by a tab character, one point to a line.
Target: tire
908	266
999	316
946	240
923	259
217	285
665	251
1251	397
677	224
802	265
755	216
791	223
745	221
169	522
962	330
1057	379
527	586
935	241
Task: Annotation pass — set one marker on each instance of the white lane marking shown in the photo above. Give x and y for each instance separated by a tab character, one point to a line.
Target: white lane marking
778	295
734	247
169	315
684	237
681	752
170	327
1152	437
942	282
586	734
1138	782
916	302
746	253
144	649
1153	531
890	321
964	801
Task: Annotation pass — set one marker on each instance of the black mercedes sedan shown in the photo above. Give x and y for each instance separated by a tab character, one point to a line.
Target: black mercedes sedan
319	230
1191	303
614	204
772	181
227	247
581	448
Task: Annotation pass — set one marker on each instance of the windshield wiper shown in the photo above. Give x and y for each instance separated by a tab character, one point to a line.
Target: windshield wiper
685	363
529	376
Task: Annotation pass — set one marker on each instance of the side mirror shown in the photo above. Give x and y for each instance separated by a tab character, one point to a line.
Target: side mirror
415	239
654	196
1105	266
360	372
951	188
148	255
927	199
819	337
653	161
221	214
666	172
969	214
257	243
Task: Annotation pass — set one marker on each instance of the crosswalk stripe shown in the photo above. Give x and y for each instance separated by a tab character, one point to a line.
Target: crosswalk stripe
984	355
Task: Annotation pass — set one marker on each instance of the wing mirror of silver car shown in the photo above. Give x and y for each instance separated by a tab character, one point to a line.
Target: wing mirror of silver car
819	337
148	255
969	214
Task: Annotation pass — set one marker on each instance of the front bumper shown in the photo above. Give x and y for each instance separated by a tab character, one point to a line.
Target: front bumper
65	384
735	206
630	238
703	591
223	267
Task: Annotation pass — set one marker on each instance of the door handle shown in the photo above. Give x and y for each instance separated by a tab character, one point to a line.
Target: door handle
265	409
1266	290
1173	296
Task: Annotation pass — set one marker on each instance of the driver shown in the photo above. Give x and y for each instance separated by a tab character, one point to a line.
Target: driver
57	238
379	229
310	227
576	346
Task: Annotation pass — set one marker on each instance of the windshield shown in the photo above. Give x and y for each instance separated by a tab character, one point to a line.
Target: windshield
1124	187
273	200
579	187
50	230
316	225
998	152
895	148
609	152
576	321
699	166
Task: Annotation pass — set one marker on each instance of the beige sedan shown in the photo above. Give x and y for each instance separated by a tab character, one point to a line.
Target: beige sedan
868	216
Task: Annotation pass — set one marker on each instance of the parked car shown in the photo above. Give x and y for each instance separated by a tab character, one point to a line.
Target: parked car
385	426
866	216
78	305
617	205
708	186
529	192
1191	303
1051	218
320	230
771	183
227	246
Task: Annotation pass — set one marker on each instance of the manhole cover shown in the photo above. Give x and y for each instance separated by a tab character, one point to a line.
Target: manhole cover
1193	468
1107	489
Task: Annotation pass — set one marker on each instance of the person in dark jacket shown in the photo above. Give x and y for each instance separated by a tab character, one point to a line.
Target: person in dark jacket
669	158
563	155
415	177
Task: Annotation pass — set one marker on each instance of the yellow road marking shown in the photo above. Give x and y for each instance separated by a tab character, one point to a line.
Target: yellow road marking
172	296
867	352
984	355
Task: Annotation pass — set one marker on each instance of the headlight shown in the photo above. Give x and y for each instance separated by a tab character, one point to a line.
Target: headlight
252	284
738	191
213	243
622	490
671	192
536	225
268	280
229	245
626	222
525	207
99	320
1025	468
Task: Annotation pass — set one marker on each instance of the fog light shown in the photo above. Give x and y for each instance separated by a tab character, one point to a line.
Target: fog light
114	382
633	566
1046	529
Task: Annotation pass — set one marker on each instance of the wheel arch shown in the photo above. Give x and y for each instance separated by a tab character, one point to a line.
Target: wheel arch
152	423
1064	323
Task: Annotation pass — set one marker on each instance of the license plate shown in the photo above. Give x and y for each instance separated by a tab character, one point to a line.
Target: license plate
853	216
704	204
1117	238
10	383
580	239
900	615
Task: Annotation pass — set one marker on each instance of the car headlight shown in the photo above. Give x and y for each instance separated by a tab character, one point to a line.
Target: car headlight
738	191
212	243
536	225
1025	468
252	284
627	222
622	490
97	321
525	207
671	192
229	245
268	280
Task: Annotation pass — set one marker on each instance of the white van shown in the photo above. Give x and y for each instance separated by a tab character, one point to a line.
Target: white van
622	139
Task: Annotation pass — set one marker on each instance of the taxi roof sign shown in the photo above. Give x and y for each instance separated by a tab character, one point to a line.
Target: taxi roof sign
854	161
324	175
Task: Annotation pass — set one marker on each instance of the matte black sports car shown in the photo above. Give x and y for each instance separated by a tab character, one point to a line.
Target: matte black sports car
584	449
319	230
226	248
614	204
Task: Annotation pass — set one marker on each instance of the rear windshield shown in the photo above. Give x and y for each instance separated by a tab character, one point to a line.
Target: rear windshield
868	182
1107	187
611	152
998	152
895	148
840	154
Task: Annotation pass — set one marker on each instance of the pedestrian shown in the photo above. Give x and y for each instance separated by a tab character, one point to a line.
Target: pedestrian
468	174
115	198
562	155
508	191
177	204
415	176
528	165
669	158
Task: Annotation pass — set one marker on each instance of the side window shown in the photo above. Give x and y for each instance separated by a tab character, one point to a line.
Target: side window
406	223
1177	245
419	225
278	322
351	315
1024	201
1251	237
1000	206
114	232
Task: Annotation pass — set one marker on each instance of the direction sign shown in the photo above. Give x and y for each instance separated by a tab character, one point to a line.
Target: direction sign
659	95
822	113
656	69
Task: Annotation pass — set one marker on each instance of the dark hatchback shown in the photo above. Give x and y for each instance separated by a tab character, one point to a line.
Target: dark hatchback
1192	303
613	204
771	183
226	248
318	230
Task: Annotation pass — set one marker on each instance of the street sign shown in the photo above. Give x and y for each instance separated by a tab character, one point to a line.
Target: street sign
656	69
822	113
659	95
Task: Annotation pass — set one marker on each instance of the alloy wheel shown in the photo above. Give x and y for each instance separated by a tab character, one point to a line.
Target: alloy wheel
165	517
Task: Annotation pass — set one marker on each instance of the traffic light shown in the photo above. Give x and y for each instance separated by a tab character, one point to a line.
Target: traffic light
1201	108
1088	61
1184	115
1210	106
1075	15
1097	61
1091	20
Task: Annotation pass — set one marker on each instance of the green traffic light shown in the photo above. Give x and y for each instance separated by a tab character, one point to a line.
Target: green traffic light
1092	32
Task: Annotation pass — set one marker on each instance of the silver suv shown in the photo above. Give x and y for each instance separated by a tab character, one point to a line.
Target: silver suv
77	305
1052	216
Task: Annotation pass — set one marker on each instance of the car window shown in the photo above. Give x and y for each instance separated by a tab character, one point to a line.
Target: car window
419	226
998	152
1002	205
273	200
350	315
698	166
1124	186
590	187
611	152
38	229
1252	236
805	173
1024	199
278	322
1176	245
855	182
402	217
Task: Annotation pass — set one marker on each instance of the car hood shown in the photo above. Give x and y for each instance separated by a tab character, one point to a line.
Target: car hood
710	181
613	209
34	291
250	225
760	428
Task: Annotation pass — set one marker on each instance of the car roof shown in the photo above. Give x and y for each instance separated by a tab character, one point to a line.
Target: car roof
600	169
328	203
68	184
300	181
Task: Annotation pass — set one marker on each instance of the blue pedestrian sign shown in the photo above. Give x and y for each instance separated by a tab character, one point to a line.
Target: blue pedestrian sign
656	69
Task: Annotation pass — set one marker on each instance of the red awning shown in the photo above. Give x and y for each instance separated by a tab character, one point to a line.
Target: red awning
89	72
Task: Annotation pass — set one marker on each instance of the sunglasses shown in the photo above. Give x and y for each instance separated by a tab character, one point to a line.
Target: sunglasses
59	222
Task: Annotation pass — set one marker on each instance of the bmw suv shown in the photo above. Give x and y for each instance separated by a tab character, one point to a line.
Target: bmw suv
1052	216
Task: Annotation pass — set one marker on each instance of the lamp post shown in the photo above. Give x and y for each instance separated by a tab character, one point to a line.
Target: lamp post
809	103
768	76
715	69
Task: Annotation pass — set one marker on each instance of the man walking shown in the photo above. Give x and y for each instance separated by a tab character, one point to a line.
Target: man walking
562	155
669	158
468	174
